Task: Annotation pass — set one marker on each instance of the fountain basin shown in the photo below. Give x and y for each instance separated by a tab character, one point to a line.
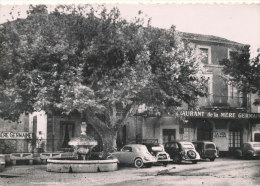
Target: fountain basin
81	166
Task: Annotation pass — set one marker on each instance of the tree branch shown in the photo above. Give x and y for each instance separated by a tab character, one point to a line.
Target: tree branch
128	110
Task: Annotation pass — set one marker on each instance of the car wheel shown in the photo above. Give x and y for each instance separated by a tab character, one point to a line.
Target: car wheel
165	163
176	159
248	157
138	163
191	154
194	162
212	159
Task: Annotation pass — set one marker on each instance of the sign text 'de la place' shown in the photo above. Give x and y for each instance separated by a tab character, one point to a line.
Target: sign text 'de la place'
15	135
219	114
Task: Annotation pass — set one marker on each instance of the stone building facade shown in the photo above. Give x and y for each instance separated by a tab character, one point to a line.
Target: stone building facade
226	117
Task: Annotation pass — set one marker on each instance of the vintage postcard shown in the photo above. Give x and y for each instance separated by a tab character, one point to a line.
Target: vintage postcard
129	93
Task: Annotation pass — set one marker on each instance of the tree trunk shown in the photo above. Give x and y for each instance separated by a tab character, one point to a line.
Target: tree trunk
109	141
108	131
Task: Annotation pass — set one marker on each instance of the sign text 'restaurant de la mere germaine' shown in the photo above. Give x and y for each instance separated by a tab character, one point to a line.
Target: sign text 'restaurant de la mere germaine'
218	114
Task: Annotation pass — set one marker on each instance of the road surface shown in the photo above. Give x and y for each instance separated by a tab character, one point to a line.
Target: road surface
221	172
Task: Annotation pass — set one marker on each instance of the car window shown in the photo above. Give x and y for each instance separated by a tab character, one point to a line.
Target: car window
174	145
256	145
157	148
141	148
209	146
127	149
187	146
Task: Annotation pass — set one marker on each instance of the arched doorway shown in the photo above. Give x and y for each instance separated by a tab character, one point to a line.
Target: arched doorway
204	131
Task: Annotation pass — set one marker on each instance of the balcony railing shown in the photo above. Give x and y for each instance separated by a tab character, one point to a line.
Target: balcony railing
223	101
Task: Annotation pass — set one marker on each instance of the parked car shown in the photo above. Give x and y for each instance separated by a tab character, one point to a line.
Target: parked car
251	149
135	154
206	149
182	150
158	151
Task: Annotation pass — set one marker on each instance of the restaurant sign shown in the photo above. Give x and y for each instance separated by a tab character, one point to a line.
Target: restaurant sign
15	135
218	114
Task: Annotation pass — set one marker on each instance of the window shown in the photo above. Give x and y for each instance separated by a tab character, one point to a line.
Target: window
206	52
174	145
256	145
210	146
209	77
127	149
230	53
235	97
232	91
208	101
187	146
257	137
235	136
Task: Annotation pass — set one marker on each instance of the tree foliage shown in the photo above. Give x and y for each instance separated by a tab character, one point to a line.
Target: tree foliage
243	72
95	62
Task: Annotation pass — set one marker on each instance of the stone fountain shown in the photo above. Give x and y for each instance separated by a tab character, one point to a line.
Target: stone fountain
83	144
82	148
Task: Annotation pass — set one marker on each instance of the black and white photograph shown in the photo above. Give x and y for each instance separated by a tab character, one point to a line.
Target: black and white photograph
112	93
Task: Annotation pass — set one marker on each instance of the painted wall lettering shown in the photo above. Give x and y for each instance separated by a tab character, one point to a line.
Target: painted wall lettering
220	134
15	135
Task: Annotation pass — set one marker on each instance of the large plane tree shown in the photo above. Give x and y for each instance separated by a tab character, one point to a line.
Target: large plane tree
93	61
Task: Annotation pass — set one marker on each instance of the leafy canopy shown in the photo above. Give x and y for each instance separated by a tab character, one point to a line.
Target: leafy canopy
243	72
78	58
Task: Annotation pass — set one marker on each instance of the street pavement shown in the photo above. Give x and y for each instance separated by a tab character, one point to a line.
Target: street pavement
223	171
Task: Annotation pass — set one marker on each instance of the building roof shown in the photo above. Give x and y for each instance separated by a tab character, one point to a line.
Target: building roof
185	35
207	38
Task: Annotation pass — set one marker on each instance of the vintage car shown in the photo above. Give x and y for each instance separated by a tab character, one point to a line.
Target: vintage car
206	149
135	154
158	151
251	149
182	150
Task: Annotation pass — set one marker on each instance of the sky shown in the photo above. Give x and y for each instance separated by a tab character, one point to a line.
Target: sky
236	22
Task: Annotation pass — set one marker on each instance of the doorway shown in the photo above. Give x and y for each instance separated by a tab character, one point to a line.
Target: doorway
235	136
66	133
204	131
169	135
257	137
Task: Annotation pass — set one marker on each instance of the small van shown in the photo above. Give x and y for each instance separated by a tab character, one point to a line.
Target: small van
206	149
